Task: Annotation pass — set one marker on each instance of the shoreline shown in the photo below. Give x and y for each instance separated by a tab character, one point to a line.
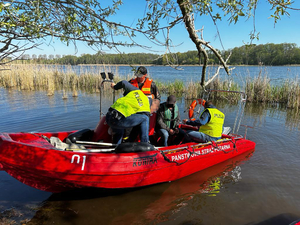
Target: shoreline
150	65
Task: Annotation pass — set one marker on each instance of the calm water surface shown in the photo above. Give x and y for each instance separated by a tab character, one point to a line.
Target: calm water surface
245	190
276	74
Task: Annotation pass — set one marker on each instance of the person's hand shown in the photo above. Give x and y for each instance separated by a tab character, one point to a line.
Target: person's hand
112	85
154	106
172	131
184	121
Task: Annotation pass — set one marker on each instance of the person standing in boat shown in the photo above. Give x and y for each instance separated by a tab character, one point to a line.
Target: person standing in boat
149	88
168	119
210	125
145	84
131	110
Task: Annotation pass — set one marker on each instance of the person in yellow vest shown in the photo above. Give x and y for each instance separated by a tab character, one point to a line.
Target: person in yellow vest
167	121
131	110
145	84
211	125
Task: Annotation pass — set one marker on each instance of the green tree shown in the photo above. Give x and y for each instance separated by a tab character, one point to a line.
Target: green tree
31	21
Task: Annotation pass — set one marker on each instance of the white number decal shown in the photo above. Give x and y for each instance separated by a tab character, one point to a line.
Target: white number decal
78	160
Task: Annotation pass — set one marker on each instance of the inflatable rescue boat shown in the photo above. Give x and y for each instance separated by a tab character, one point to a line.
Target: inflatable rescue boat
62	161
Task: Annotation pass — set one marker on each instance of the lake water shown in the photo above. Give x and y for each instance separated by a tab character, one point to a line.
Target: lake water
277	74
247	190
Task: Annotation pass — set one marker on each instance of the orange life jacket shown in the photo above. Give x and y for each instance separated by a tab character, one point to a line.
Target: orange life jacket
146	88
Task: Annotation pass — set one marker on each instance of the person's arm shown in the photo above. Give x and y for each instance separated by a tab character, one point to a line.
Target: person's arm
124	85
204	118
193	122
154	91
160	119
155	105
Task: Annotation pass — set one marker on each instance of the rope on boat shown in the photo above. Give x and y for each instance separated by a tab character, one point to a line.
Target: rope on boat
177	163
213	144
234	143
35	134
226	152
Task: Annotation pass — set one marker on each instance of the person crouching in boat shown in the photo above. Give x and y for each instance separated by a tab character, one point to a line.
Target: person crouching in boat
168	120
149	88
211	125
131	110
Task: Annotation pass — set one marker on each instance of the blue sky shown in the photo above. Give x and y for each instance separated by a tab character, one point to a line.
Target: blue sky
233	35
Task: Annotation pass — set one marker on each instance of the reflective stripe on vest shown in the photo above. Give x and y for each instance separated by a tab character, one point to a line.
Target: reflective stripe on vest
134	102
168	115
214	127
146	88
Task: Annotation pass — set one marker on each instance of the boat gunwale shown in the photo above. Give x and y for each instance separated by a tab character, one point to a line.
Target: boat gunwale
165	149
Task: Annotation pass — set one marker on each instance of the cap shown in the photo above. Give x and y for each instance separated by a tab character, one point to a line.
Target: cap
141	71
171	100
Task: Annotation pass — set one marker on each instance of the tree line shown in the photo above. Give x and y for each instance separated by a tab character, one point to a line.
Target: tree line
25	25
264	54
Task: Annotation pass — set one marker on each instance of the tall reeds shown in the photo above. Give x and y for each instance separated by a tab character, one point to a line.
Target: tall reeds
294	94
259	89
51	79
193	90
43	77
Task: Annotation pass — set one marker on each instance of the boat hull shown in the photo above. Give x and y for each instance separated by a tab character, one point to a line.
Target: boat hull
34	161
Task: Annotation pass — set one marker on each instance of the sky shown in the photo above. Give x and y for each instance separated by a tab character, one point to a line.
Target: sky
285	30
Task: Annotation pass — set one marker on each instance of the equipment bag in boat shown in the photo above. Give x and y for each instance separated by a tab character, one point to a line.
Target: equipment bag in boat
134	147
81	135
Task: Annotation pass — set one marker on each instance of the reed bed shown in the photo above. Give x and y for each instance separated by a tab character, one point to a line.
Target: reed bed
42	77
176	88
260	90
50	79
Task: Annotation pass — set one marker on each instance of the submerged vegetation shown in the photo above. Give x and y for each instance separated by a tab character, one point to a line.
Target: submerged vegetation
49	79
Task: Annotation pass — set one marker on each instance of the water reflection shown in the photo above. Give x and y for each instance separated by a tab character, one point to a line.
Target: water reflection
149	205
292	119
23	101
267	187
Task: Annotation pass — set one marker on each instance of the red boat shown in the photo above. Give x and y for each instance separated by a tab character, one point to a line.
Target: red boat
34	160
31	159
52	162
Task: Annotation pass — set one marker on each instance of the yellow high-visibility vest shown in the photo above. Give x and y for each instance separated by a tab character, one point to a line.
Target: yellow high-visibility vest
214	127
134	102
